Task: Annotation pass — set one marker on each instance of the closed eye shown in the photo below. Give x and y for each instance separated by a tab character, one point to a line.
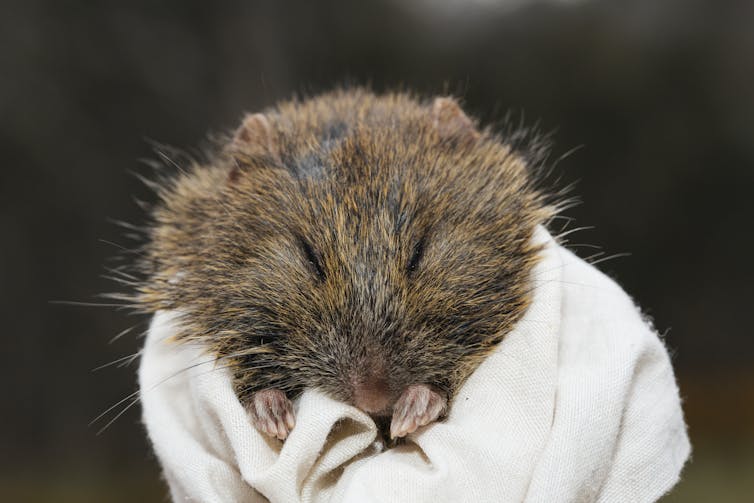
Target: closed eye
416	256
313	258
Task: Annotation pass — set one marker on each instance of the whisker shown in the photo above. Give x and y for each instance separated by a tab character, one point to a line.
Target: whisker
610	257
583	245
130	357
83	304
137	392
112	407
560	236
121	272
113	243
125	409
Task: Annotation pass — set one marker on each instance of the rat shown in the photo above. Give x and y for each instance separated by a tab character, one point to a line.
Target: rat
374	247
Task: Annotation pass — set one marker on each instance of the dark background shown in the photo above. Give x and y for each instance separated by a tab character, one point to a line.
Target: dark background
660	95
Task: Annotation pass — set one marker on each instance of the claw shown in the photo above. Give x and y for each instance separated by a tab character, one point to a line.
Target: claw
418	405
272	413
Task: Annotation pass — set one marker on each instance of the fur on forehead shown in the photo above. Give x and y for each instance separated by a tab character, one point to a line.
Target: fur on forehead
367	151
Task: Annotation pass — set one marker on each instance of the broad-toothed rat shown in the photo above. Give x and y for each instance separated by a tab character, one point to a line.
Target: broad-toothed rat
375	248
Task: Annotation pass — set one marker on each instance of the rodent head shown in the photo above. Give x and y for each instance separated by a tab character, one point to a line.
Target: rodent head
351	243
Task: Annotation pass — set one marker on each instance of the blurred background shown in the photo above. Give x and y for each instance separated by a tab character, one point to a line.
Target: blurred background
658	95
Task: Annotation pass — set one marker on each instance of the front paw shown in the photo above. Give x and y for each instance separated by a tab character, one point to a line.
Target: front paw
272	413
419	404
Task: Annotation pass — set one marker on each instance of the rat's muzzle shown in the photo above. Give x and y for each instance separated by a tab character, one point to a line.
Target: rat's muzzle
372	394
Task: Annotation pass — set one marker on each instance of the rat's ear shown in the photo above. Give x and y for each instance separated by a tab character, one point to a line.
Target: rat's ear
450	121
256	132
255	136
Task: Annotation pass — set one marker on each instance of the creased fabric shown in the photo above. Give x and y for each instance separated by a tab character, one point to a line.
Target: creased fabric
578	404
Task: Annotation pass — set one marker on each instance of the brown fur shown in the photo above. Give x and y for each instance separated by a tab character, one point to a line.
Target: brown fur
352	243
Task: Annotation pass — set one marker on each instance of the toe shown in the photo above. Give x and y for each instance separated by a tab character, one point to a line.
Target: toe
417	406
272	413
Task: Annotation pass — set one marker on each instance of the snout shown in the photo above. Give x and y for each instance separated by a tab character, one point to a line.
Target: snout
372	395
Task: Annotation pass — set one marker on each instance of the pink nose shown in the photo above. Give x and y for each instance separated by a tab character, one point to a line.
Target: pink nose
371	395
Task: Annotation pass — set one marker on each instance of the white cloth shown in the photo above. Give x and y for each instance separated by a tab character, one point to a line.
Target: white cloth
578	403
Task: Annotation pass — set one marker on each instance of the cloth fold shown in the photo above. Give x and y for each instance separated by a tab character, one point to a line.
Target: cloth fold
578	403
